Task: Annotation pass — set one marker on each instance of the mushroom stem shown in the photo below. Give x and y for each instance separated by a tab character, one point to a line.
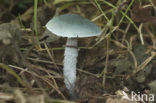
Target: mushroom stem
70	61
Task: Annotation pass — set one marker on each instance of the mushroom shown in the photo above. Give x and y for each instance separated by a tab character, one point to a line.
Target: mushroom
72	26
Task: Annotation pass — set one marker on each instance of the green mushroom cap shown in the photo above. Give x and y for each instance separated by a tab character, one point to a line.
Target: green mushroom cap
73	25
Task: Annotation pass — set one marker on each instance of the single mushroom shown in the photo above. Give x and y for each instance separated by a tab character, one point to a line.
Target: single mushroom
72	26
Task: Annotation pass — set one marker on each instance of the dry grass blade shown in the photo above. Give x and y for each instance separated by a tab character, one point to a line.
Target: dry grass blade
125	32
44	61
19	97
53	86
153	38
117	43
141	35
51	55
142	66
47	80
106	63
6	96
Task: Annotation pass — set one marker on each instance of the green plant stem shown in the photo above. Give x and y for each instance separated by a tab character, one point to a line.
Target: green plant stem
125	13
99	7
35	22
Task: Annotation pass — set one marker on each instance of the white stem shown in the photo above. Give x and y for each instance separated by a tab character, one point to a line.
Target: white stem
70	61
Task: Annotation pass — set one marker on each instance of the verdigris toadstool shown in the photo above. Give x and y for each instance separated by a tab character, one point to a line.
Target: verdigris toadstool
72	26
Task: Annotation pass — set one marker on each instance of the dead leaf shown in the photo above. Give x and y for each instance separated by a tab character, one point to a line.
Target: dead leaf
142	14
